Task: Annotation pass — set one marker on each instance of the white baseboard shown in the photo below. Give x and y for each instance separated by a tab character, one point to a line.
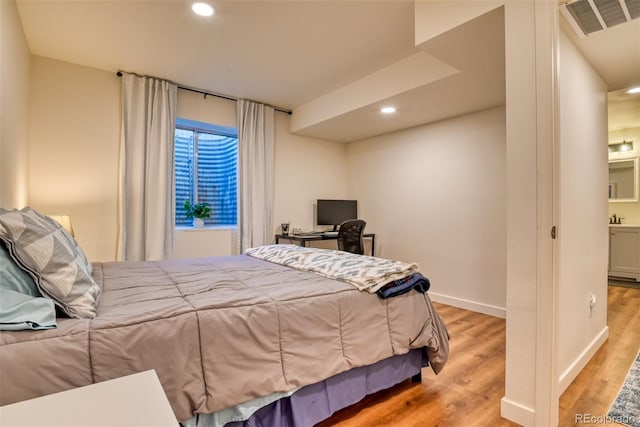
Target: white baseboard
567	377
478	307
519	414
525	415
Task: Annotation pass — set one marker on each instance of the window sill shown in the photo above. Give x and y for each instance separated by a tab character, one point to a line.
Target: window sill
206	228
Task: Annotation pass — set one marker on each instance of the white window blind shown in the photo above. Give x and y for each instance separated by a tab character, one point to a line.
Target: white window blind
206	168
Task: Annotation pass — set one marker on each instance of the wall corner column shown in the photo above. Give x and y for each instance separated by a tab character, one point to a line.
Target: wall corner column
531	37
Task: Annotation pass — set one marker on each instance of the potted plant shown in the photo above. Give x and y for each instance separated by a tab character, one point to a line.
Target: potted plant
197	211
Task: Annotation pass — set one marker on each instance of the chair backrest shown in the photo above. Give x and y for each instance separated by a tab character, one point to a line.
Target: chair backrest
350	236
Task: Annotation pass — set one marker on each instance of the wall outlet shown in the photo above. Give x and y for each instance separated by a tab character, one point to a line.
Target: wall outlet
592	303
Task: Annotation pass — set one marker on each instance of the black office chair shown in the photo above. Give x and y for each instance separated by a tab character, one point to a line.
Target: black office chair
351	236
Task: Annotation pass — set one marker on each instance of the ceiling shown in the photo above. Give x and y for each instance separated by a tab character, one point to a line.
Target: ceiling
615	54
624	110
296	54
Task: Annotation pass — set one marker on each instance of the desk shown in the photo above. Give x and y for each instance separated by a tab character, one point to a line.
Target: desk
302	239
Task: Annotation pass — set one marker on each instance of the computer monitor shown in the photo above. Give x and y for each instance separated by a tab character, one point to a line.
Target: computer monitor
335	212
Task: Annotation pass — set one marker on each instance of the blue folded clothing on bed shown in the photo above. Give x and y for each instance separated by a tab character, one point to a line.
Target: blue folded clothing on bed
398	287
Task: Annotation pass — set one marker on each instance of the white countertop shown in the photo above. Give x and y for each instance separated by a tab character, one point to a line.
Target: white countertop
624	225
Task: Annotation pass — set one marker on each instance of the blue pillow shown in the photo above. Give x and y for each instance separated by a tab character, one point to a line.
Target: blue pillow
13	277
21	311
21	305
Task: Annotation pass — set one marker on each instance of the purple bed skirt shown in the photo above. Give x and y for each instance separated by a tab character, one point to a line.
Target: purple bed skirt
317	402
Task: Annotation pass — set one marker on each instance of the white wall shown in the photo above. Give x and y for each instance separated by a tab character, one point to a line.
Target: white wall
307	169
436	195
14	109
75	131
530	80
582	213
530	397
629	211
434	18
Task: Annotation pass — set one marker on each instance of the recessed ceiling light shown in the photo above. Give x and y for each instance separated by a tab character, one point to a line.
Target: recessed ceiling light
202	9
634	90
388	110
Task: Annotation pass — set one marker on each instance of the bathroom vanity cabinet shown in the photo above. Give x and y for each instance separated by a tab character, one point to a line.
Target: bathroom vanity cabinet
624	251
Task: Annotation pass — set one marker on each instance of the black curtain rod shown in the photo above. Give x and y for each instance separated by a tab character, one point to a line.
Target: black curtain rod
217	95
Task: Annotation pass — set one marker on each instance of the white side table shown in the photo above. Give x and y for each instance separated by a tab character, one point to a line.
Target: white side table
134	400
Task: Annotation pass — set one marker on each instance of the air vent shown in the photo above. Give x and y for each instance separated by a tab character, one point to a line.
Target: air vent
590	16
633	6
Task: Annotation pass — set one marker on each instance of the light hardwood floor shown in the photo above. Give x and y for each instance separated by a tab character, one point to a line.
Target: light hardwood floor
468	391
597	385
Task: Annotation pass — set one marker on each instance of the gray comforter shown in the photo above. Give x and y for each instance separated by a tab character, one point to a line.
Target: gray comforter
218	331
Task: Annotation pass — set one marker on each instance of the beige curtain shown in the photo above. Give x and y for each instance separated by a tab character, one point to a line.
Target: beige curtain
256	169
146	199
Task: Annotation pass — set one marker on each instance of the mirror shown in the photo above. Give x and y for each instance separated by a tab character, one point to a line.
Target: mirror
623	180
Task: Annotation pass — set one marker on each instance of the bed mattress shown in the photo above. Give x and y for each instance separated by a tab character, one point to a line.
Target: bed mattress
218	331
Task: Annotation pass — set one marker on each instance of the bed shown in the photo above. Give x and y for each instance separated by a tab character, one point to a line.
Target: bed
222	331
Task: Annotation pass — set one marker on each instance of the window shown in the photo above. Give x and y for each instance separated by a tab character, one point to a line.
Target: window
206	165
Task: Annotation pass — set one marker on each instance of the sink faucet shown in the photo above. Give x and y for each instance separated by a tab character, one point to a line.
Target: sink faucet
615	219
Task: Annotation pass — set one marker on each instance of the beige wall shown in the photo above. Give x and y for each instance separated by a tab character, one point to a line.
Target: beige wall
76	110
14	109
629	211
75	130
191	243
305	169
582	246
435	195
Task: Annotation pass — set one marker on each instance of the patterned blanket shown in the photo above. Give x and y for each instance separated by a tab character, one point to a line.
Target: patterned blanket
366	273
